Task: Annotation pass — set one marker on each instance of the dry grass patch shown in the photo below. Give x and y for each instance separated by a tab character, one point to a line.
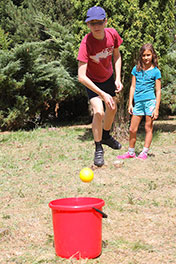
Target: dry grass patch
42	165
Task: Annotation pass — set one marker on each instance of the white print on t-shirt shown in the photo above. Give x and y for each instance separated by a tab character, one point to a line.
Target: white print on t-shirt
103	54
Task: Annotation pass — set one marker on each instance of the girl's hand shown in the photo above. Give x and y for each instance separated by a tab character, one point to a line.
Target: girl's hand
130	109
155	114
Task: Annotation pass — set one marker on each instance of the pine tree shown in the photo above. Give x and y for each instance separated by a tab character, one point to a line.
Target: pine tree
29	85
19	22
39	72
4	40
60	11
168	96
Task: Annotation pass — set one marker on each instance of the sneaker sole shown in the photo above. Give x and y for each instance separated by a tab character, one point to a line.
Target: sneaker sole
119	147
99	165
133	157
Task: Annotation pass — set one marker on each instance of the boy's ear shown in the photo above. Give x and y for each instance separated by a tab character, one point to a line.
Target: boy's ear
88	25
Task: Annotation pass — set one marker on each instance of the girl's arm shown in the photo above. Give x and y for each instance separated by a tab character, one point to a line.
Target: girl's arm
155	113
117	66
131	96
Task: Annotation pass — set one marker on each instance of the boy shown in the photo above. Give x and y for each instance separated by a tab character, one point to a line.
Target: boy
95	71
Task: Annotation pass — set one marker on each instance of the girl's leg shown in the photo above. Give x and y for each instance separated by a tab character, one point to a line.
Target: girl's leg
148	131
135	121
148	137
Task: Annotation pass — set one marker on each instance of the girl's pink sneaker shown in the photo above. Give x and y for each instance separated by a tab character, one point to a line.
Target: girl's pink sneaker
126	156
142	156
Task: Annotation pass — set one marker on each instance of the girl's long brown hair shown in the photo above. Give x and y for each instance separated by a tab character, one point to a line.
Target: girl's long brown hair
150	47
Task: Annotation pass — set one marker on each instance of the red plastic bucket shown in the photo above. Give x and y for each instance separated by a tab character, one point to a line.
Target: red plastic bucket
77	225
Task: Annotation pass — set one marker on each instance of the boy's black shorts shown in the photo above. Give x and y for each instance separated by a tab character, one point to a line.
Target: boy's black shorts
107	86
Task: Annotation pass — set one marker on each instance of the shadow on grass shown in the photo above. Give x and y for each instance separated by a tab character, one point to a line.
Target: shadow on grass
165	127
74	122
158	126
87	135
161	125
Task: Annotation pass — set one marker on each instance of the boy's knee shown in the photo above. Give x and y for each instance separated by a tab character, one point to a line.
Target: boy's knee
115	110
112	111
99	114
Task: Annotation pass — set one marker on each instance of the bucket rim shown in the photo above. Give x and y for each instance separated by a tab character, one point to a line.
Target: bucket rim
96	202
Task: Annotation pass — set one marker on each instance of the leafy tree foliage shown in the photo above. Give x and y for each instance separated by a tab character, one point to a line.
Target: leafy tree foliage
39	71
168	102
19	22
25	21
34	78
17	2
61	11
39	41
4	40
58	44
19	18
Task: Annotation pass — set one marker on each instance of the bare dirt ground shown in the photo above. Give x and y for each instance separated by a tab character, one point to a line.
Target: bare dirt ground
140	196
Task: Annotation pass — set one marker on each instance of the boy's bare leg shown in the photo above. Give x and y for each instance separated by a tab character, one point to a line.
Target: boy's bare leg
107	139
98	116
109	116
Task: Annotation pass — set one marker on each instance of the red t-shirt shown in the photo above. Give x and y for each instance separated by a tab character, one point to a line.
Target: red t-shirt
98	54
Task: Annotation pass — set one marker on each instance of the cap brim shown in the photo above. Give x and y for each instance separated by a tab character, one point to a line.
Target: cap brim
94	18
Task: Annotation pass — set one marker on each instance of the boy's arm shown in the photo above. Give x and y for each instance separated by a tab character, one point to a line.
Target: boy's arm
82	77
155	113
117	65
131	95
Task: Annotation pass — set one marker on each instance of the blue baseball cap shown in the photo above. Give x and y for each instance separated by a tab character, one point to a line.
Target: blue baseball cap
95	13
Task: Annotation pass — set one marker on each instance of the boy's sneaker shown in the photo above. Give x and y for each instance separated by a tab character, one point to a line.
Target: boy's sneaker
99	158
142	156
111	142
126	156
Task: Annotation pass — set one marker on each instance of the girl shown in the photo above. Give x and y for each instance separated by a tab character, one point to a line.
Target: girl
146	77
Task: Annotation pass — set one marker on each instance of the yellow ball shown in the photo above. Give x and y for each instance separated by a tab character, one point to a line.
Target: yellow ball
86	175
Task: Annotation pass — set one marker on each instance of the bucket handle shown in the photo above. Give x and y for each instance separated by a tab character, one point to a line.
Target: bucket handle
102	213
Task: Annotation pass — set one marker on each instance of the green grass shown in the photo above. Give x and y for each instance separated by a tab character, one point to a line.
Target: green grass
44	164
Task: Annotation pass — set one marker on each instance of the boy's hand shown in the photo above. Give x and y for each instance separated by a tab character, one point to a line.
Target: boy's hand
119	86
109	101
